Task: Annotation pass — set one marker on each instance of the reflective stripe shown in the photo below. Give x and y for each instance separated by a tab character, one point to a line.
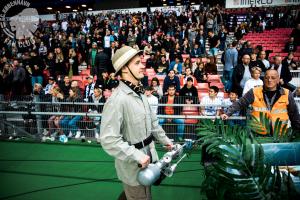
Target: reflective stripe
278	111
259	109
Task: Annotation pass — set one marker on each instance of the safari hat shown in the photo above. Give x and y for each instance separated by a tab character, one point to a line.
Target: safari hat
122	56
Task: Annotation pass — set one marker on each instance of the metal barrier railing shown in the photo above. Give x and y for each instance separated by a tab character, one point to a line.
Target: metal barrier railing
295	78
33	117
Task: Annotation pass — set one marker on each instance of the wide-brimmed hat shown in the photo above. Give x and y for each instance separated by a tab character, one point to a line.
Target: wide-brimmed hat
122	56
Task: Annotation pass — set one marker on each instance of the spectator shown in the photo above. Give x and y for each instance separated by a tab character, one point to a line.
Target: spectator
69	123
230	59
296	34
214	43
176	66
210	105
233	97
112	82
18	79
89	88
196	51
171	98
102	63
262	62
147	49
200	73
150	63
253	60
222	35
49	86
60	62
201	40
50	64
36	67
153	100
98	101
156	87
65	86
162	67
185	49
241	74
254	81
289	61
290	46
211	67
188	74
171	79
188	90
73	63
187	63
92	59
285	75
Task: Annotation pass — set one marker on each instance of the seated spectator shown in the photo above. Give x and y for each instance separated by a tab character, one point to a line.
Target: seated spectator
75	84
210	105
89	88
153	100
147	49
170	98
150	63
200	73
50	85
185	48
156	88
53	121
189	90
254	81
162	67
211	67
188	74
176	66
69	123
187	63
233	97
196	52
289	61
290	46
97	99
171	79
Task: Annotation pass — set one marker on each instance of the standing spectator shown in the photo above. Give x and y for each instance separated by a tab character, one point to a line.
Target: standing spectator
102	62
89	88
214	43
285	75
43	51
65	85
19	78
230	59
92	58
171	98
254	81
60	62
262	62
210	105
73	63
201	40
171	79
241	74
50	64
222	36
290	46
253	60
153	100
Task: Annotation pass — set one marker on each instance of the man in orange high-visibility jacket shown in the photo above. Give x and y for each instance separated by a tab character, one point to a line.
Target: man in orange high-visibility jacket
272	99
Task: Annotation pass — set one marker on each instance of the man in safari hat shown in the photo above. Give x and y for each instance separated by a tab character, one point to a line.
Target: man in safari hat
128	127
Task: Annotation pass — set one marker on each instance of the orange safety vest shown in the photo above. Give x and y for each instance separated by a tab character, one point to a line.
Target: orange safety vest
279	109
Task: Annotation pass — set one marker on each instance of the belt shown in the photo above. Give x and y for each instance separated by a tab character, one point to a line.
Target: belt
144	143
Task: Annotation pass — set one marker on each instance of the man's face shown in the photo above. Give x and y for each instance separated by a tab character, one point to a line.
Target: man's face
189	84
147	93
277	60
271	80
67	80
212	93
136	67
97	93
90	80
171	74
246	59
263	55
171	91
233	96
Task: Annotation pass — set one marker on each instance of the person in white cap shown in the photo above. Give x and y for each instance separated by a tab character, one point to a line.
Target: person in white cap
129	127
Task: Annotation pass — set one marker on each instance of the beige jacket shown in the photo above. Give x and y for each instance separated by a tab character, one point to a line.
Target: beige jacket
127	119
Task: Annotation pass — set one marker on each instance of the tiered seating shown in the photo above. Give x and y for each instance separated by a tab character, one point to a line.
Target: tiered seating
274	40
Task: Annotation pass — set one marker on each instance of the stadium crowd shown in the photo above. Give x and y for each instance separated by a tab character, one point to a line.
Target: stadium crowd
69	59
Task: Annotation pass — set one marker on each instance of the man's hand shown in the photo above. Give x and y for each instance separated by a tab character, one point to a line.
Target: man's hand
224	117
169	147
281	81
145	161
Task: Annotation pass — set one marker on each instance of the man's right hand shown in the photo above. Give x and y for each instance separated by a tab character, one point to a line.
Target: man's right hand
224	117
145	161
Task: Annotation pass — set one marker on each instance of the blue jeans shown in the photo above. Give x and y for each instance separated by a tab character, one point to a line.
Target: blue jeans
36	79
69	124
180	125
227	79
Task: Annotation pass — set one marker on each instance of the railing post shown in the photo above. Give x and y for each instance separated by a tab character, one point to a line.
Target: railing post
36	98
2	116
